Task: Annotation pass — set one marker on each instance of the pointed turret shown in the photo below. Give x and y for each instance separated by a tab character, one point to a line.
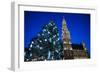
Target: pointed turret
65	34
66	41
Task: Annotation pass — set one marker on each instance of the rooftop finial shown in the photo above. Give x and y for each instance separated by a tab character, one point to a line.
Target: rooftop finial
64	21
63	17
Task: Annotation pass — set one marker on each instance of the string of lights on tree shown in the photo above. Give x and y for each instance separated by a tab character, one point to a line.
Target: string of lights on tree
46	46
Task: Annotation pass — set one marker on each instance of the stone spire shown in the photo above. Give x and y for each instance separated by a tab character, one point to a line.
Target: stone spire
65	33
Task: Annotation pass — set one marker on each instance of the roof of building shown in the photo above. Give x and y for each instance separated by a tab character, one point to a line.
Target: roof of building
77	46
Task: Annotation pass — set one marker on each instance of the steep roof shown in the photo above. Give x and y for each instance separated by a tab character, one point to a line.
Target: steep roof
77	46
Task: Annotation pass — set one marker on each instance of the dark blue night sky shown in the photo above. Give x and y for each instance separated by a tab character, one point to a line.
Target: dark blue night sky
78	25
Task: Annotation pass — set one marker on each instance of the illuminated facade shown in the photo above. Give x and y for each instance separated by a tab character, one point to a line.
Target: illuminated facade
71	51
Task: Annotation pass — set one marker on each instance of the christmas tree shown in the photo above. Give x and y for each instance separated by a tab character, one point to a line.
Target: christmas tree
46	46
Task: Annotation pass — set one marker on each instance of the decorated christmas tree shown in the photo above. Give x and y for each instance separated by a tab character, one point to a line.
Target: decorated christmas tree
46	46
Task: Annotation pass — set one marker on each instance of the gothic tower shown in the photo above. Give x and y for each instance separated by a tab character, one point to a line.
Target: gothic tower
68	54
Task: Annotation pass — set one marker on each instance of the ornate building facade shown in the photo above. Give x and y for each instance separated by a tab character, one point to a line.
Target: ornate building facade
71	51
